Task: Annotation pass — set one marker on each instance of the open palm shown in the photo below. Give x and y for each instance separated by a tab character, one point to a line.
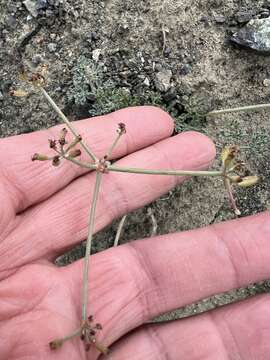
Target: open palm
44	211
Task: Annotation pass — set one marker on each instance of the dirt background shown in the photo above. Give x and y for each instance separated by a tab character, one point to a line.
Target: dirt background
105	55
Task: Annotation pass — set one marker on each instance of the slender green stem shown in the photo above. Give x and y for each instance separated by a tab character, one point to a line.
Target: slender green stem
72	335
80	163
89	245
109	153
119	230
238	109
67	122
164	172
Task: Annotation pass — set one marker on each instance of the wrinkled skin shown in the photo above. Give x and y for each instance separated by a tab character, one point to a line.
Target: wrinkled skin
44	211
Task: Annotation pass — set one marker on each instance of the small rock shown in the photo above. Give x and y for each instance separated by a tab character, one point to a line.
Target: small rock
255	36
220	19
163	80
244	16
41	4
11	21
93	36
185	69
31	7
1	96
146	82
266	82
37	59
52	47
96	54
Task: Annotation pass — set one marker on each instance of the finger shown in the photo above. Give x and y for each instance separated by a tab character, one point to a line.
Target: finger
239	331
61	221
27	183
132	284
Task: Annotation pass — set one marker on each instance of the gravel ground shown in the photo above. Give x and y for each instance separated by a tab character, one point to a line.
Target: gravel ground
106	55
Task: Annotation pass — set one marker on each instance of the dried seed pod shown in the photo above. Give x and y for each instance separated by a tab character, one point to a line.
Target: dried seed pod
56	344
228	155
52	144
121	129
74	153
39	157
98	326
249	181
62	136
18	93
56	160
235	179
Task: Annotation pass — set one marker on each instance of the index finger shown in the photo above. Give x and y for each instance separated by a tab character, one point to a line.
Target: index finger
26	183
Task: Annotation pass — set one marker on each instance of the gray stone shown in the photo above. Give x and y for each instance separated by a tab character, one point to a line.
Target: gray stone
1	96
146	82
243	16
31	7
52	47
255	36
37	59
220	19
163	80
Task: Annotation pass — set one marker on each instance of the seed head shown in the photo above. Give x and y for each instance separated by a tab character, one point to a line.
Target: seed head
121	129
39	157
56	160
249	181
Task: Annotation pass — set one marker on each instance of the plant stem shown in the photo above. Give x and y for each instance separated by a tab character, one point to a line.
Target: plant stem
67	122
88	246
164	172
238	109
119	230
80	163
109	153
231	197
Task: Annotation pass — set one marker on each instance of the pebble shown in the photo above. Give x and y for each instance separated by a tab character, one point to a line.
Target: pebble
266	82
244	16
255	36
11	21
1	96
37	59
146	82
96	54
31	7
220	19
52	47
163	80
185	69
41	4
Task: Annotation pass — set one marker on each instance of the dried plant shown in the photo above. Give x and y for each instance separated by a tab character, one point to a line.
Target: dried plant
232	171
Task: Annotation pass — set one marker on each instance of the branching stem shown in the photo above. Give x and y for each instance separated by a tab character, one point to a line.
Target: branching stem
67	122
164	172
89	245
239	109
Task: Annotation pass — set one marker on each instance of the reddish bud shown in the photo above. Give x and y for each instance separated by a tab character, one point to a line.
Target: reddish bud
56	160
52	144
56	344
98	326
92	332
90	318
62	136
121	129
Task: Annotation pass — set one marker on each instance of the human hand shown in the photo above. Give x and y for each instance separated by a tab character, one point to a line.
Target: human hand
44	211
